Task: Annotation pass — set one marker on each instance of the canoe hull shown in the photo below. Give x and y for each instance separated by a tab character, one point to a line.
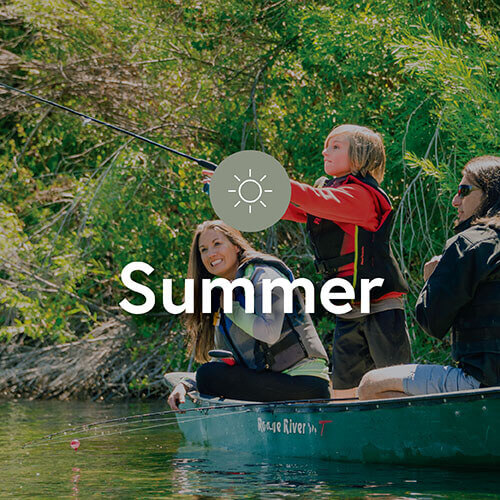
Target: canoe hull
448	429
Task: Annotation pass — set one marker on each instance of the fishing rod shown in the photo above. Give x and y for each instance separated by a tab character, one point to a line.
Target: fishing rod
201	162
247	405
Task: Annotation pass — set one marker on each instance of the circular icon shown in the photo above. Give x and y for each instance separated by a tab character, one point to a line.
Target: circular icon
250	191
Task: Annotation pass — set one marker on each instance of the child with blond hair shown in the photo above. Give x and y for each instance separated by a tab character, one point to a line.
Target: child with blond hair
349	220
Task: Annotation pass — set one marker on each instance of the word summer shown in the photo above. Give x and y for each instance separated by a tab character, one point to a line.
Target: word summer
268	290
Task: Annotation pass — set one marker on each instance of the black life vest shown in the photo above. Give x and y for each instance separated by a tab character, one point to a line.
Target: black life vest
372	256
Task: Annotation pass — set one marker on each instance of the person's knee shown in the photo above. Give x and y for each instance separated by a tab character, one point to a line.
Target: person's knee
205	376
368	387
375	382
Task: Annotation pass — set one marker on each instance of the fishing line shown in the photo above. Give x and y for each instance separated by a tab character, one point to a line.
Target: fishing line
87	118
170	418
118	424
167	420
34	444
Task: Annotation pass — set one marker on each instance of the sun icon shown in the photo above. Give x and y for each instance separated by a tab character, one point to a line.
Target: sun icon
250	191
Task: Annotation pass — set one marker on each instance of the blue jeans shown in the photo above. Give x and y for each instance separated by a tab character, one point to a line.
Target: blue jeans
431	379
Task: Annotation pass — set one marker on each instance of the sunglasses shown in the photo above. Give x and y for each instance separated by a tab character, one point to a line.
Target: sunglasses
465	190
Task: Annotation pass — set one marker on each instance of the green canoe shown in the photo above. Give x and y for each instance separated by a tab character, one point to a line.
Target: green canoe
458	428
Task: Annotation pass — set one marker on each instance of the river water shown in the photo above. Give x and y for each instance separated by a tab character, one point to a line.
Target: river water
151	460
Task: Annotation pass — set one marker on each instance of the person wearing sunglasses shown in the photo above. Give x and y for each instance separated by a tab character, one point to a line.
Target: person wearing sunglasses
461	294
466	206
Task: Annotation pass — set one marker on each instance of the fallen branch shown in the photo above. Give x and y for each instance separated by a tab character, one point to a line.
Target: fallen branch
99	368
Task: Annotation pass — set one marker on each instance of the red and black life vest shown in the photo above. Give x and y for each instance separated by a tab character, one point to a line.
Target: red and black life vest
372	256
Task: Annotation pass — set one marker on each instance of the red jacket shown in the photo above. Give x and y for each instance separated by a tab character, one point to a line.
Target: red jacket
348	206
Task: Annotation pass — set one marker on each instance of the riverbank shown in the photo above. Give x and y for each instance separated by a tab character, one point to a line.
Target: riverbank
105	365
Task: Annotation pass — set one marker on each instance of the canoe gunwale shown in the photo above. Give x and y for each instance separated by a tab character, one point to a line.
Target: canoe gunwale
313	406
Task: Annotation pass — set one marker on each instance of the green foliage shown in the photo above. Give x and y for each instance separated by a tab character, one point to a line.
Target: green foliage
463	81
31	305
79	202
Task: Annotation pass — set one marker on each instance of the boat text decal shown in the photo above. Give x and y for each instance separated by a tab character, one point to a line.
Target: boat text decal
285	426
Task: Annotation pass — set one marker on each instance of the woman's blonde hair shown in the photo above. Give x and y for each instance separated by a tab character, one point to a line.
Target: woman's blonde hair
200	325
366	150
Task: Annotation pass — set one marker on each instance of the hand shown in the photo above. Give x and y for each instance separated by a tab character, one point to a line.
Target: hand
177	396
207	176
430	266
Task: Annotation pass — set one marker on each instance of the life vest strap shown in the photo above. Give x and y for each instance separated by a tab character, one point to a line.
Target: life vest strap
331	266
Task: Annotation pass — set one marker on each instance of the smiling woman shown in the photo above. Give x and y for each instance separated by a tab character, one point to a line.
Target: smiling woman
218	254
269	356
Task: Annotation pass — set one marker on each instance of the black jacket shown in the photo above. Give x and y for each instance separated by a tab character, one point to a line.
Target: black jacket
463	294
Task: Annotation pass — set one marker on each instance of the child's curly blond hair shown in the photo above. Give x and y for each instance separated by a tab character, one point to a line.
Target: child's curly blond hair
366	150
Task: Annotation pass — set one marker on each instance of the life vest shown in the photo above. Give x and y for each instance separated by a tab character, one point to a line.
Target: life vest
372	256
475	337
298	340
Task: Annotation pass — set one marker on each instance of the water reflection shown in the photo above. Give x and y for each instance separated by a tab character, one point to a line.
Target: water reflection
204	471
75	479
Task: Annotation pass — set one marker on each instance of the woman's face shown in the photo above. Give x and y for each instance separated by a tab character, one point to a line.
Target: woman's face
467	205
218	254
